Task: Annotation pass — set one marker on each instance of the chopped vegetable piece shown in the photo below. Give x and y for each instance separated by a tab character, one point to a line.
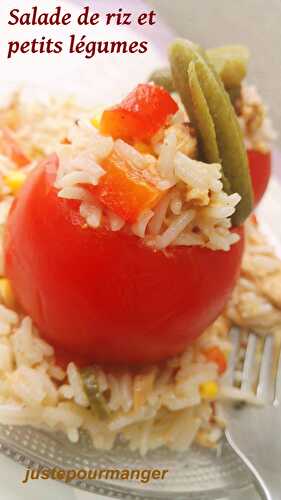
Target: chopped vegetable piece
124	190
15	181
96	120
209	390
6	293
10	148
228	133
140	115
230	62
97	401
217	356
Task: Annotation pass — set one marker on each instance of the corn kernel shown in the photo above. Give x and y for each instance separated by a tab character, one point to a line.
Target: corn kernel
96	120
143	148
15	181
6	293
209	390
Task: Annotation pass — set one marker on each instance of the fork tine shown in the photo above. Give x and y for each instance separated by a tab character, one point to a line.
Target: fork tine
249	364
277	381
265	389
233	357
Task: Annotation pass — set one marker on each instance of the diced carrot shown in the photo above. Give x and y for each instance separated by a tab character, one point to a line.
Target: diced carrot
9	147
253	219
65	141
216	355
140	115
124	190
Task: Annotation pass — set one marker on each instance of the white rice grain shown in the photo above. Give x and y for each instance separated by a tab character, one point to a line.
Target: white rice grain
175	228
75	193
167	156
76	177
92	212
197	174
116	223
139	228
76	384
160	212
130	153
8	315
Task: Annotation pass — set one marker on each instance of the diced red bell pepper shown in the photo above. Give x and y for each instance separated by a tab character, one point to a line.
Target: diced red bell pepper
140	115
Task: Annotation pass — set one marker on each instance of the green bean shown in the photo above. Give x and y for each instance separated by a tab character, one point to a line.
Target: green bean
234	93
230	62
203	118
227	130
229	138
96	399
181	55
204	121
163	78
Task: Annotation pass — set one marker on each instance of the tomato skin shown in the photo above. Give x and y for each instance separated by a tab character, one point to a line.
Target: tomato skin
260	169
140	115
104	295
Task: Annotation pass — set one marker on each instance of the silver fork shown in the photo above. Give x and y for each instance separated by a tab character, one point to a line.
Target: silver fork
254	432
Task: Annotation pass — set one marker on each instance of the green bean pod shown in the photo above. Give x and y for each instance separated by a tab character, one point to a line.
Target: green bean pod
96	399
232	153
230	62
229	138
204	122
163	78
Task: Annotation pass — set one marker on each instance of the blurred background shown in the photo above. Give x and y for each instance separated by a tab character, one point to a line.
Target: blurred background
255	23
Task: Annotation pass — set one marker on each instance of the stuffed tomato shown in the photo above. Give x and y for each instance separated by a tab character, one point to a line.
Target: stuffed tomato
104	294
126	244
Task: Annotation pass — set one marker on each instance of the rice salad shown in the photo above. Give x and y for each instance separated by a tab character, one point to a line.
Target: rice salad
173	403
194	199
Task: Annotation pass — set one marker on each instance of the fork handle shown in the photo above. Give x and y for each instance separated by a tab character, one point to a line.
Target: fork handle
269	485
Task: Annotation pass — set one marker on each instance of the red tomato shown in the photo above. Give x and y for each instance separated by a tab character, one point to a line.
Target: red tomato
140	115
105	295
260	169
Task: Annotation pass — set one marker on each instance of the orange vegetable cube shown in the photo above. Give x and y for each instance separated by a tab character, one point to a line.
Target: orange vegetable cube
215	355
124	190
